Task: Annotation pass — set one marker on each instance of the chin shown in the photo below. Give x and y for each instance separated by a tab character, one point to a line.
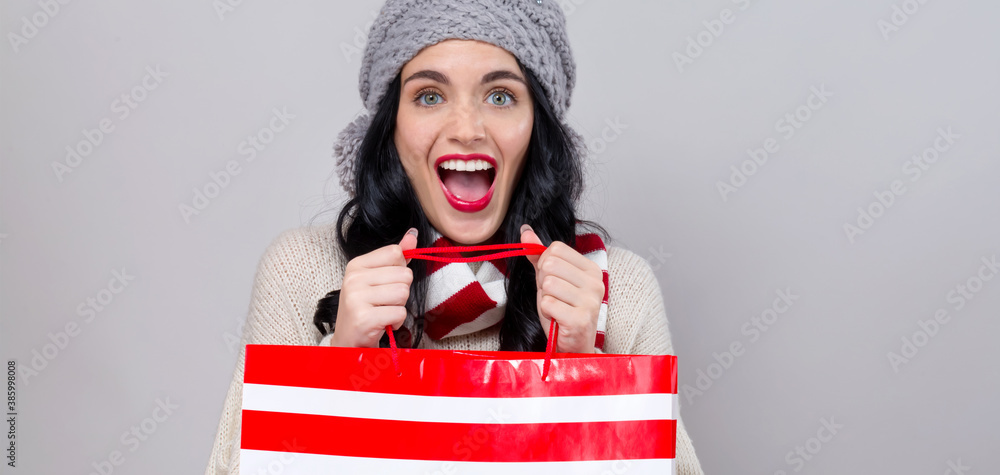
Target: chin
469	231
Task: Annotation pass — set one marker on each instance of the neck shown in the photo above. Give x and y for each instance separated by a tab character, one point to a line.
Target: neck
495	239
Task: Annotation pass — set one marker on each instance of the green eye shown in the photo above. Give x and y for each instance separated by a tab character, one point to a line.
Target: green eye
430	99
500	98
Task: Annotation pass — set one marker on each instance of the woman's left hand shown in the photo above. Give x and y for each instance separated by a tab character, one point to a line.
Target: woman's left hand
570	290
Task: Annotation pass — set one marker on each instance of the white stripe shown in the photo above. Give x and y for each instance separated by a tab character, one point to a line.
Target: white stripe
488	272
468	410
447	281
602	318
496	290
600	257
253	462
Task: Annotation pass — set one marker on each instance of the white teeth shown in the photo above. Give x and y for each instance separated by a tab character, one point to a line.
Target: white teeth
466	165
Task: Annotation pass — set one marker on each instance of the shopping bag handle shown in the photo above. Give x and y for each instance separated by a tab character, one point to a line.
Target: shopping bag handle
504	251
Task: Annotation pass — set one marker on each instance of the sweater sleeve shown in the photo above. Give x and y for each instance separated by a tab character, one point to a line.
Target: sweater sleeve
636	292
276	317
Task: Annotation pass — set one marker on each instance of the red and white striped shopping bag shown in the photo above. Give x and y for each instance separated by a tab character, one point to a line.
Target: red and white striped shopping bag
311	410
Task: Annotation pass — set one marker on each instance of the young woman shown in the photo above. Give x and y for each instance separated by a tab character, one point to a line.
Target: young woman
465	145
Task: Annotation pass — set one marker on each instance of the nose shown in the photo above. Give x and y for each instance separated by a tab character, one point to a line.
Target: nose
466	126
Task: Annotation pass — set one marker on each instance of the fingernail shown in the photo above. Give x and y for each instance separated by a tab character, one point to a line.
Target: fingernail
525	227
412	231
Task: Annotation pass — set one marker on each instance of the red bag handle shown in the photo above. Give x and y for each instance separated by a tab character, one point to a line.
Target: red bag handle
508	250
505	250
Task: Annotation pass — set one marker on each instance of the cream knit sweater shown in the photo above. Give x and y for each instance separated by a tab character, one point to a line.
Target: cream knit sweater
302	265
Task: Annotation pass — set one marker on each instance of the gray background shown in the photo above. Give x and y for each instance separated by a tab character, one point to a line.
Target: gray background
169	334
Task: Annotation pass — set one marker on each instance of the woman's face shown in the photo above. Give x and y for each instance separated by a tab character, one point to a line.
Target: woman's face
462	131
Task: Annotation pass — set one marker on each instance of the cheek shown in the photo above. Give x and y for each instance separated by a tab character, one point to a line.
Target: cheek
522	131
413	143
514	141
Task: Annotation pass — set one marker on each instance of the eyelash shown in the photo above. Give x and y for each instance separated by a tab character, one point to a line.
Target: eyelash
420	94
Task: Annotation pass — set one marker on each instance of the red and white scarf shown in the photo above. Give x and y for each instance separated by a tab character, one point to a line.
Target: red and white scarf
463	302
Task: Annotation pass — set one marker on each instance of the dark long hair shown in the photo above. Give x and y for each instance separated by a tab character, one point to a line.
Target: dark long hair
385	206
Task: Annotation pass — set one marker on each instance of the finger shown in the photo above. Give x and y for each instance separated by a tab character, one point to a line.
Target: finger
554	265
551	308
384	275
394	316
409	241
571	255
528	236
576	334
568	293
390	315
369	326
391	255
387	294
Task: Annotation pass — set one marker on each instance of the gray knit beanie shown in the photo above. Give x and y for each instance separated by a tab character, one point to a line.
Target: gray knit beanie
534	31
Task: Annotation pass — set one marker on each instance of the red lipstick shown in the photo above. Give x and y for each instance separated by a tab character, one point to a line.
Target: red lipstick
456	202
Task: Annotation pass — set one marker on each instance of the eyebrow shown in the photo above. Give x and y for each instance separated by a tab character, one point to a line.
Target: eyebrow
487	78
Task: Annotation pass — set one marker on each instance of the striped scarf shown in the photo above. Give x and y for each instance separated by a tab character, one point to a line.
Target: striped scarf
462	301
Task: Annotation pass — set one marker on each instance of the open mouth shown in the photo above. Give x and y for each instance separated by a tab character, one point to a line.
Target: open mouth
467	180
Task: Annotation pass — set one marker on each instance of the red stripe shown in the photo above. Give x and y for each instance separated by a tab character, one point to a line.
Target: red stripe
587	243
459	373
599	341
462	307
331	435
606	286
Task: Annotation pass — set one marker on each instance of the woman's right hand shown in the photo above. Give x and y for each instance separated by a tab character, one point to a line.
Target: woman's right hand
373	295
